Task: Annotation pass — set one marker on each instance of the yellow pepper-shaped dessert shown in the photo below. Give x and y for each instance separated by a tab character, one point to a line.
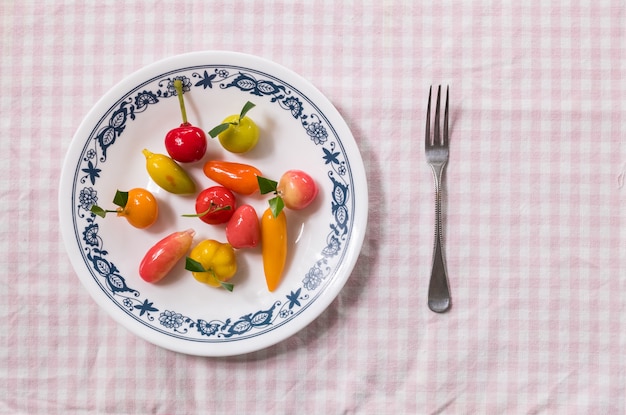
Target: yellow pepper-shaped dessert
168	174
218	263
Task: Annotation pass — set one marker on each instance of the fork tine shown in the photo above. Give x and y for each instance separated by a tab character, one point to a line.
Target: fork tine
428	141
445	119
437	135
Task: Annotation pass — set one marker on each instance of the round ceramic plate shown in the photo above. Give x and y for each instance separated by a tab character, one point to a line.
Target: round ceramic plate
300	129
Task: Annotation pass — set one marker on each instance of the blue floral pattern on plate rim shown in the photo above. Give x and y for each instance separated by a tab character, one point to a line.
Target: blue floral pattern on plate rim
110	129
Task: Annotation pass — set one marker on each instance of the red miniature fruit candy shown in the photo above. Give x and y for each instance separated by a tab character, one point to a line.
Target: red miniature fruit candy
215	205
186	143
243	229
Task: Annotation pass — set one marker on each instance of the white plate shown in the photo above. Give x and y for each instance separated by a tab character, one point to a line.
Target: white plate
300	129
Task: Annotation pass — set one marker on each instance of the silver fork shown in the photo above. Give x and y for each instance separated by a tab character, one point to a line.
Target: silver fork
436	150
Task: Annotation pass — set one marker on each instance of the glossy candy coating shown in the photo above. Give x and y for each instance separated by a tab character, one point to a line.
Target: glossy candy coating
163	256
167	174
218	259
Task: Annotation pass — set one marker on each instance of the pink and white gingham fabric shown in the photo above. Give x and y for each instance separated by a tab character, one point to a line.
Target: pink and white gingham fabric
535	209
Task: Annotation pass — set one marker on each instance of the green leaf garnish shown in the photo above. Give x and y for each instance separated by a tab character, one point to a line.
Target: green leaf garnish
120	199
249	105
266	185
194	266
226	286
215	131
219	129
98	211
276	205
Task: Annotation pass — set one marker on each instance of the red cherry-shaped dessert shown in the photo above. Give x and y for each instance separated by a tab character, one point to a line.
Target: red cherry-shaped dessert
186	143
215	205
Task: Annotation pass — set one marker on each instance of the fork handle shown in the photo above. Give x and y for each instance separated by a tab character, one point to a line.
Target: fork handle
438	288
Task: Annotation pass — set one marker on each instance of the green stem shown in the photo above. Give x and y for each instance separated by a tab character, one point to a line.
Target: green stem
178	84
101	212
212	209
225	285
195	266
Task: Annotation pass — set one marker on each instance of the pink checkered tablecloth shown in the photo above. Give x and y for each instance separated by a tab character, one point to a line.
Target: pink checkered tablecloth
535	208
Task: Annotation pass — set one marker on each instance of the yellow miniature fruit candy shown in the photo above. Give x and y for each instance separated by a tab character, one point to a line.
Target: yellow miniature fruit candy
237	133
241	136
218	263
168	174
